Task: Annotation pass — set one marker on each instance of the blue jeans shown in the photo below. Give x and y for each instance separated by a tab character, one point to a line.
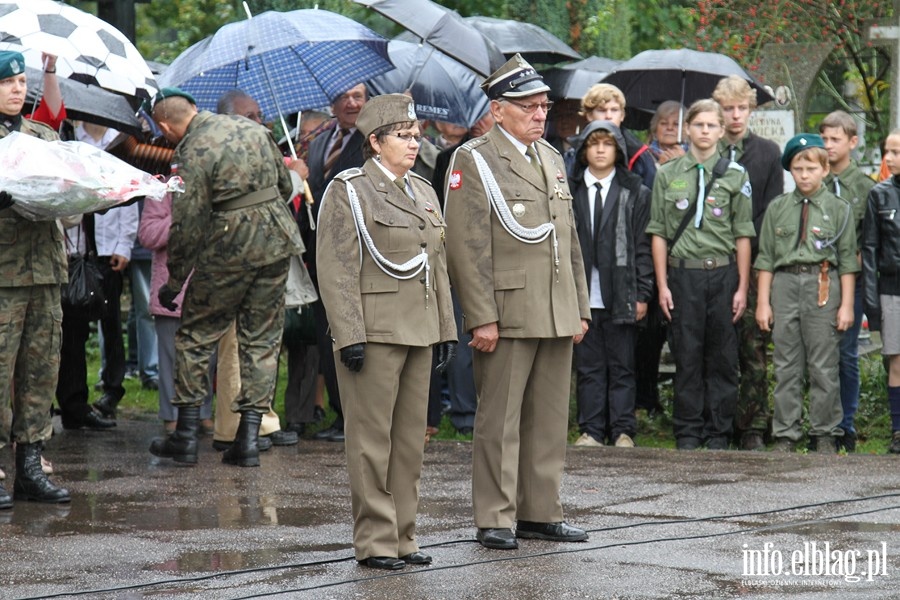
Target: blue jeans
850	362
147	351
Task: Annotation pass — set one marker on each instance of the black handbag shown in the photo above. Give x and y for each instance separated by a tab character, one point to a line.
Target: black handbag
83	296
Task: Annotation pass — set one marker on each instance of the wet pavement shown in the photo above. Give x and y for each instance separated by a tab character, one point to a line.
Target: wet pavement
664	524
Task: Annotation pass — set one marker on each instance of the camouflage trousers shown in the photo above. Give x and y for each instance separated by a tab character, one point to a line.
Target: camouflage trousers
254	301
30	338
752	411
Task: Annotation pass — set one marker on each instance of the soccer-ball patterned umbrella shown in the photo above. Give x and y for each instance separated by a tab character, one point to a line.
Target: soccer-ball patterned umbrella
87	48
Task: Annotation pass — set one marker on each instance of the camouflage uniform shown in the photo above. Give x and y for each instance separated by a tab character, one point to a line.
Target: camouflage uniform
239	255
32	268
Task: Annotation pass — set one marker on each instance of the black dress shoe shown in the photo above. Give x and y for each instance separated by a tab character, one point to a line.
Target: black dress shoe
416	558
107	404
282	438
332	434
298	428
554	532
497	539
318	414
93	420
388	563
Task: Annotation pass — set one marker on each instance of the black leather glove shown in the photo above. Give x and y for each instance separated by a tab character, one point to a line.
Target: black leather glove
167	297
353	357
6	200
446	354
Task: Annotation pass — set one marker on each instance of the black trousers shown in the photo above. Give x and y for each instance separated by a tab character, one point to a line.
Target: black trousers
605	384
705	346
326	363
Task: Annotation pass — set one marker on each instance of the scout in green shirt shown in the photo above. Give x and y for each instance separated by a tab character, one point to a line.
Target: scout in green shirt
702	274
807	244
847	181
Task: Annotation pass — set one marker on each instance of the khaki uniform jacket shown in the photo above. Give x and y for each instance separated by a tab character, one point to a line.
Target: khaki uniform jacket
364	303
31	252
222	158
497	277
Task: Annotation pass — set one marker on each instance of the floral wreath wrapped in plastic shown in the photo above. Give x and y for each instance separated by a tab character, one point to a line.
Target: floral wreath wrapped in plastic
50	180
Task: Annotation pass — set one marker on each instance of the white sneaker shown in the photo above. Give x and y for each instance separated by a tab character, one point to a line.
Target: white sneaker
624	441
587	440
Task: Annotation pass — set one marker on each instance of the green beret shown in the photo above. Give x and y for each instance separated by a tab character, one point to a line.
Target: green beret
386	109
11	63
799	142
172	92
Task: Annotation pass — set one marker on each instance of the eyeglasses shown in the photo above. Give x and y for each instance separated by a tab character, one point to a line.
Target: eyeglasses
530	109
408	137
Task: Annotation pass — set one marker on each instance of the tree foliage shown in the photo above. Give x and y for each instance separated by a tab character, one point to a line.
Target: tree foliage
742	28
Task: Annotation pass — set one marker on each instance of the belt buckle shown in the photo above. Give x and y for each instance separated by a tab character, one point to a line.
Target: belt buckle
709	263
805	269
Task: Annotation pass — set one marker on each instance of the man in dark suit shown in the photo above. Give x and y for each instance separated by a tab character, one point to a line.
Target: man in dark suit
334	150
612	209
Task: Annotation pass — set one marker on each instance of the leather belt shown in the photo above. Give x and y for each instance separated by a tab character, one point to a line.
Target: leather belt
795	269
707	264
251	199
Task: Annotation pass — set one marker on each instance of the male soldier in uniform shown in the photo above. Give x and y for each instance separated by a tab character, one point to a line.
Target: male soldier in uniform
762	160
231	227
515	262
32	268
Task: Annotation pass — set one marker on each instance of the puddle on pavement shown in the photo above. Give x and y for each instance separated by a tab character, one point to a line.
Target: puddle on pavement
218	561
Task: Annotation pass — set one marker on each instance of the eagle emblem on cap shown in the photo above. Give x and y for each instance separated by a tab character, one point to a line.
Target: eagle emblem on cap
14	65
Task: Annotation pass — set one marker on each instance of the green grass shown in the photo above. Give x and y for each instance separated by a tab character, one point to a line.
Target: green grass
873	421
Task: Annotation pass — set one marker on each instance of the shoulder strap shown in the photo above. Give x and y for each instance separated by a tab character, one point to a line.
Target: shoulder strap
719	169
637	154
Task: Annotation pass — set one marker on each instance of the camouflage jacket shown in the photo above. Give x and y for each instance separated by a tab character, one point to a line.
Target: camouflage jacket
222	158
31	252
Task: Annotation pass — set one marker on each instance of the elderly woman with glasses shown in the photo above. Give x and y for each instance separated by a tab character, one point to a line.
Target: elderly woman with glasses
381	242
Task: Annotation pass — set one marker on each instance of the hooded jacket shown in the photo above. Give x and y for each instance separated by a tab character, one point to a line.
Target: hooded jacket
613	239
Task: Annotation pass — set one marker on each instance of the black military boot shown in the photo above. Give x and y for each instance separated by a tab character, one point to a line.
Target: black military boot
5	498
31	482
244	451
181	444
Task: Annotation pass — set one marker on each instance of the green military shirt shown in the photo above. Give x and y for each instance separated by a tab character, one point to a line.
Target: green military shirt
830	234
727	210
31	252
853	186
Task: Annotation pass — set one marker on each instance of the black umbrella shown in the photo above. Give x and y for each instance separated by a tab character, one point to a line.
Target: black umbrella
443	29
654	76
572	81
442	88
535	44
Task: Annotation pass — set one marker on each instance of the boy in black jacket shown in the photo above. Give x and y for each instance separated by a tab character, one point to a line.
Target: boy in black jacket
612	209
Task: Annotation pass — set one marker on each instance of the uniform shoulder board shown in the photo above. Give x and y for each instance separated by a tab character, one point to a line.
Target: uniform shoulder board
474	143
736	166
417	176
547	145
349	174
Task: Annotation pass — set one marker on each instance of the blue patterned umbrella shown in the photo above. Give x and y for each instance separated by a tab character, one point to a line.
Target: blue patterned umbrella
288	61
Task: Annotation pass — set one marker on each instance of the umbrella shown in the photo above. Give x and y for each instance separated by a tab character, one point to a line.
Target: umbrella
601	64
654	76
443	29
535	44
88	49
443	89
570	84
288	61
89	103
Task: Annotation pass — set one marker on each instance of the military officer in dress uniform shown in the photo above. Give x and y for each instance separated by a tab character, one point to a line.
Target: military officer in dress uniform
516	264
381	241
32	268
232	228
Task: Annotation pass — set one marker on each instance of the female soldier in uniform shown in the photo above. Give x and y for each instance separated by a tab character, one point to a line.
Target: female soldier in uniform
381	241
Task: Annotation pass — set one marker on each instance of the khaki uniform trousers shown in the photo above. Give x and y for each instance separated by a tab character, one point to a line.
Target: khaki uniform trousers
228	388
519	444
805	340
385	407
